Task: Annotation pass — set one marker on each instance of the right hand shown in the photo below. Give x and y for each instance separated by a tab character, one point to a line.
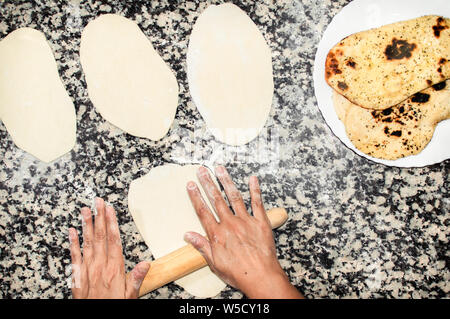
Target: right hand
241	248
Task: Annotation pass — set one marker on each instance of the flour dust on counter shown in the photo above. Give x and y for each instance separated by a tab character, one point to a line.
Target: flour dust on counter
34	105
128	82
163	213
229	70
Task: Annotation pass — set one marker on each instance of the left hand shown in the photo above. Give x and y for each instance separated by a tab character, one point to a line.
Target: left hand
100	271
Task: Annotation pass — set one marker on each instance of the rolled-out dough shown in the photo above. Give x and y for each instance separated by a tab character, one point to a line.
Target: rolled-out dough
128	82
34	105
163	213
229	70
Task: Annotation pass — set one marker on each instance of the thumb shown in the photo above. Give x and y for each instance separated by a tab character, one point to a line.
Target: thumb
135	279
201	244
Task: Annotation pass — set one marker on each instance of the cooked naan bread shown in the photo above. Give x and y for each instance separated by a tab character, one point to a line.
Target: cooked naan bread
382	67
401	130
341	105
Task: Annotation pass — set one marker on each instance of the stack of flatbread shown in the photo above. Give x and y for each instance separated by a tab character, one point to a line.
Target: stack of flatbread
391	85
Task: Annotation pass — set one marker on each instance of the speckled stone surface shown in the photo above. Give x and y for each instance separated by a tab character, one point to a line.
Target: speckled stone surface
356	228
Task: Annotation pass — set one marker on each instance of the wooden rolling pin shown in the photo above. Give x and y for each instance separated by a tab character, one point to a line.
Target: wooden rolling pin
187	259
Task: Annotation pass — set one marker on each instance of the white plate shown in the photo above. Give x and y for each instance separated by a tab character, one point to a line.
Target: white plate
360	15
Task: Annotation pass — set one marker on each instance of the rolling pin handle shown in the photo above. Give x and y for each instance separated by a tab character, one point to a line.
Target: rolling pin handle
187	259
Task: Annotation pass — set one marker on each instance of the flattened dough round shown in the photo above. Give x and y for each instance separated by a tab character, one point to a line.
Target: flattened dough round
34	105
229	70
128	82
162	211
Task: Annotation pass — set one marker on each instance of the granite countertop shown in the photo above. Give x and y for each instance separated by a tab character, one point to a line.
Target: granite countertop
356	228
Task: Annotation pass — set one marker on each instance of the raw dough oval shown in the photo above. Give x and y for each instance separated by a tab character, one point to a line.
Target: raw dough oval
163	212
34	105
229	70
128	82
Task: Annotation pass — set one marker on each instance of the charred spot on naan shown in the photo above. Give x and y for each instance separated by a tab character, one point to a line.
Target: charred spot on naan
351	63
439	70
420	97
395	118
440	26
342	85
331	65
441	63
439	86
399	49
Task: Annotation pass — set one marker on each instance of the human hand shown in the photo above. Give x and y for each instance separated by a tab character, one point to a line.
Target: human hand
240	248
100	271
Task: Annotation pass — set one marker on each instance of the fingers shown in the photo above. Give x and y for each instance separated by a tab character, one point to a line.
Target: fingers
257	205
102	260
204	214
201	244
88	235
233	194
75	256
100	231
134	280
114	244
213	193
75	251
